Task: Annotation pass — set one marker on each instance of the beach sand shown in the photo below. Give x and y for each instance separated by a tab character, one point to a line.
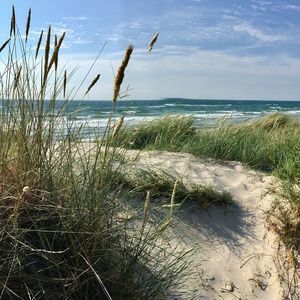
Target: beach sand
236	255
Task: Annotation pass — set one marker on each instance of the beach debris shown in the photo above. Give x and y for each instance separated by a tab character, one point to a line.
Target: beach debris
25	190
92	84
121	73
229	287
259	283
153	41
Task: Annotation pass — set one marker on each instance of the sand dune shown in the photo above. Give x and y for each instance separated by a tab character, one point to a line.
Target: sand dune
235	254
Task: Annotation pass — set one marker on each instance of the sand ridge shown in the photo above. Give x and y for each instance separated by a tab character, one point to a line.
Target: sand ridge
235	253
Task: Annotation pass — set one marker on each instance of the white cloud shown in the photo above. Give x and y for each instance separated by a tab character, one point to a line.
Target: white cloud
289	7
257	33
80	18
194	73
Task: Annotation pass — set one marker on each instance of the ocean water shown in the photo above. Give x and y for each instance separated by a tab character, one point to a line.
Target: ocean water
94	114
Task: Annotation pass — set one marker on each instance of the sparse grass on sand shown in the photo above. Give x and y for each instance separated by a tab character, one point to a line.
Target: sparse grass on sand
161	187
64	233
270	144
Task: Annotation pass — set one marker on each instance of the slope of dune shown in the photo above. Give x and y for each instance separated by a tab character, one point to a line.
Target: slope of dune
236	255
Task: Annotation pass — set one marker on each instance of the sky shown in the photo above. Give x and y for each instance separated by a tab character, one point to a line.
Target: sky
207	49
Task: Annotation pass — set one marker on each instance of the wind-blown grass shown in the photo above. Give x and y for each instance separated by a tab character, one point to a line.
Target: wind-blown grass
64	233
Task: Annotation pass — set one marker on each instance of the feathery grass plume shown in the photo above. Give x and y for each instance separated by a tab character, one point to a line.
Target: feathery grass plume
117	127
39	44
13	22
120	75
92	84
28	24
65	83
54	58
47	50
4	45
153	41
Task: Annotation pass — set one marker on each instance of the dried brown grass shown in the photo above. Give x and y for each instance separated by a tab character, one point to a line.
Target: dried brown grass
121	73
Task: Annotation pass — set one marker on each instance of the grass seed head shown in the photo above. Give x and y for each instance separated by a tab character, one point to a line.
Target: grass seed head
93	83
13	22
121	72
117	127
28	24
4	45
46	58
65	83
54	58
39	44
153	41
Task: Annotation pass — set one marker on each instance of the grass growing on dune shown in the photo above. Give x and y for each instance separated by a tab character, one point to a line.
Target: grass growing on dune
167	133
64	233
267	144
270	144
161	186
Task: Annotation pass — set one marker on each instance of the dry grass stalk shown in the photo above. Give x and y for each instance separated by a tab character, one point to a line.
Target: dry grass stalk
117	127
54	58
153	41
173	195
146	205
17	78
39	44
65	83
92	84
4	45
28	24
146	208
13	22
120	75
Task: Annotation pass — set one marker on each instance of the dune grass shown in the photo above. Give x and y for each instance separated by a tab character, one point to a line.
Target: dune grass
167	133
64	233
270	144
162	186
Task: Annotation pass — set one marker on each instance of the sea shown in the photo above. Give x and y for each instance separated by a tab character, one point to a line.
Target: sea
92	116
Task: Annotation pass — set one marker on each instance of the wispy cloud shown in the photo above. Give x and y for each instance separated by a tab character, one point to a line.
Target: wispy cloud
289	7
198	74
258	33
80	18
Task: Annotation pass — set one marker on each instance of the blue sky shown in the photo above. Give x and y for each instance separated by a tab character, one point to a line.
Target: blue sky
226	49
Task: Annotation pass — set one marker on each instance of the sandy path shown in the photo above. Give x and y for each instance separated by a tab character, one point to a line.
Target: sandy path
235	253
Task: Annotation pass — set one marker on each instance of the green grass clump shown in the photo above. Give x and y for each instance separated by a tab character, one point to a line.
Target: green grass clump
64	230
166	133
161	187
